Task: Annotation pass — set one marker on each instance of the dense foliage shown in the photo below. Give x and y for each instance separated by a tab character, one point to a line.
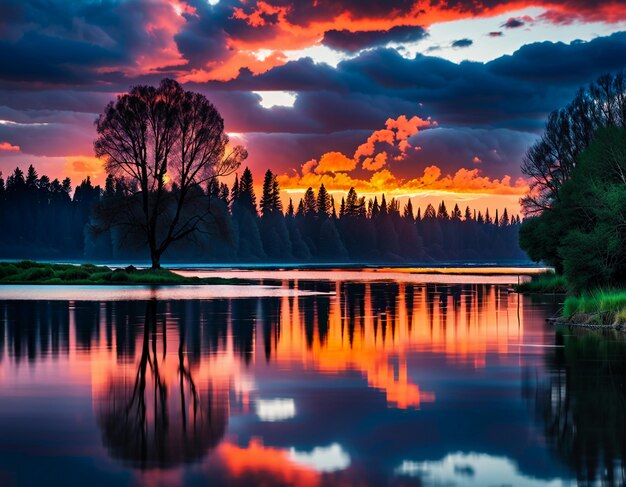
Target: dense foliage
581	229
43	220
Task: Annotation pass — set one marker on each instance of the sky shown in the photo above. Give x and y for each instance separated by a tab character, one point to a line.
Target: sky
428	99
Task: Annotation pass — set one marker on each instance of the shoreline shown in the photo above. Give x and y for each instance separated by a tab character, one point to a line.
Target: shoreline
586	325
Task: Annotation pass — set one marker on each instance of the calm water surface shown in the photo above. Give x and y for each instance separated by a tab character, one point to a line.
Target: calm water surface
319	378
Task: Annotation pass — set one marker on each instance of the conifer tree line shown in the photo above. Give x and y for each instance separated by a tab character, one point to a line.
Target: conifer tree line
41	218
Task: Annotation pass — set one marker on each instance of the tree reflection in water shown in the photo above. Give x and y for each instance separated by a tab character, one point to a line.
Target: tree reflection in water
582	404
149	421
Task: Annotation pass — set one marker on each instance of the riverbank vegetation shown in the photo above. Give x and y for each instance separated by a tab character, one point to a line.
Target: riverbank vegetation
28	272
548	282
577	202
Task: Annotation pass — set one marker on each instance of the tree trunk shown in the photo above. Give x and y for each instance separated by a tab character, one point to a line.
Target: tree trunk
156	259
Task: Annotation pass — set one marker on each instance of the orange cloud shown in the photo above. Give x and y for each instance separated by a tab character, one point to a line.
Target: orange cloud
79	167
432	179
308	166
396	134
367	149
257	459
335	162
9	147
375	163
334	168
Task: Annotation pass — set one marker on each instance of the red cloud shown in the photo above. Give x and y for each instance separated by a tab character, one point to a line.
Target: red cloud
9	147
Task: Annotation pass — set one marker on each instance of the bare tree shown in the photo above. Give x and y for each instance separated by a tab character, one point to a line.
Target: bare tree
569	131
167	143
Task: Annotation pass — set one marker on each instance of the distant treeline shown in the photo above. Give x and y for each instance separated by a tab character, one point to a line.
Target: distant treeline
41	219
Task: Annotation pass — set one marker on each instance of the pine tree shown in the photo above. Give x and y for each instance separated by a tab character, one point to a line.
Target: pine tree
290	208
309	204
468	214
456	212
430	213
496	220
67	186
504	220
323	202
300	211
383	206
342	208
442	212
332	206
487	217
393	208
418	218
234	192
352	203
480	218
277	203
375	208
31	178
224	193
408	211
267	201
247	198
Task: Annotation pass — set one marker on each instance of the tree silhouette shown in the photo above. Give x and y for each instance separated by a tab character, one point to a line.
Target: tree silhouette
170	142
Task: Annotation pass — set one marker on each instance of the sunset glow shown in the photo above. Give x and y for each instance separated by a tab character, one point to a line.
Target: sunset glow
351	94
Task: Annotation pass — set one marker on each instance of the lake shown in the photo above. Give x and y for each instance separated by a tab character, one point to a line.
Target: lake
313	378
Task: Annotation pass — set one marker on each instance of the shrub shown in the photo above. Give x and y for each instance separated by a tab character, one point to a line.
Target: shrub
74	274
120	276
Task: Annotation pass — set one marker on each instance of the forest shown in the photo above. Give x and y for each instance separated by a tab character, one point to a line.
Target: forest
48	219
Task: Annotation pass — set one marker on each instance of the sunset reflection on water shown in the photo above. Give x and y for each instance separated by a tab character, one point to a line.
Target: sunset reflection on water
305	386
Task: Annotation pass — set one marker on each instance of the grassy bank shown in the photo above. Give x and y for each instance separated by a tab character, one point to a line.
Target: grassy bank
547	283
600	307
28	272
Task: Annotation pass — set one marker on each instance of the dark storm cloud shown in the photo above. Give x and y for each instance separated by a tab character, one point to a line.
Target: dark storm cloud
481	107
344	40
60	62
462	43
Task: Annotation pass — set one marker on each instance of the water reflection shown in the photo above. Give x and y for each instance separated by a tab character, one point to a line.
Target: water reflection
326	382
157	416
581	404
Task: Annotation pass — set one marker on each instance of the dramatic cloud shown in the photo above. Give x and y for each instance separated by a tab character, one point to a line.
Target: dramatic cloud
432	179
339	172
345	40
61	62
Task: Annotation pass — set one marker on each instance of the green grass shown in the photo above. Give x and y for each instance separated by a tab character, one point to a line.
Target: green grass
599	307
548	282
28	272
